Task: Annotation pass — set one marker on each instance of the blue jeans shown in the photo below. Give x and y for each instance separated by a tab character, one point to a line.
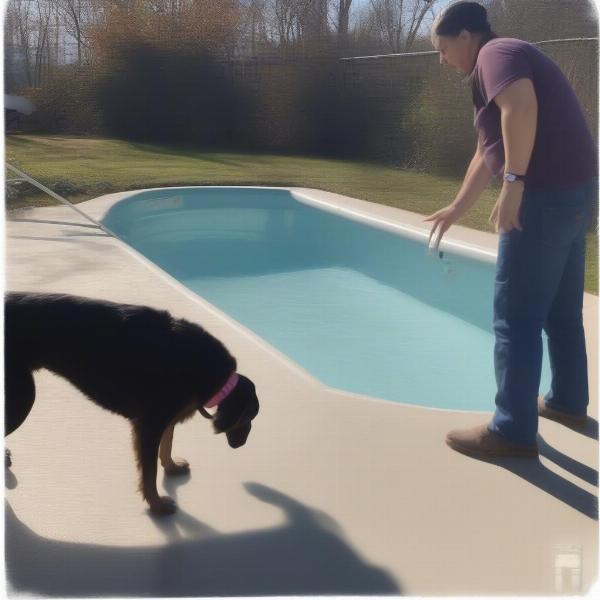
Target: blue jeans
539	284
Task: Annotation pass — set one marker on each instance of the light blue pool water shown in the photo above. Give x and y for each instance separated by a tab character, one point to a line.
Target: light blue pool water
363	309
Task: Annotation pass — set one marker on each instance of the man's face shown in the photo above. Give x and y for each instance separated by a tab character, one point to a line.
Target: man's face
454	51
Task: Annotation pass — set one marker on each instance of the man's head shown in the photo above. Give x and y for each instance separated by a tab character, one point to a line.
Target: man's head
458	33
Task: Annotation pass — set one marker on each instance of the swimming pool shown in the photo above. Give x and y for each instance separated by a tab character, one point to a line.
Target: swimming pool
358	304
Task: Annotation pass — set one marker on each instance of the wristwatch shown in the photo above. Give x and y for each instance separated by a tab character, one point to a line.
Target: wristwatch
511	177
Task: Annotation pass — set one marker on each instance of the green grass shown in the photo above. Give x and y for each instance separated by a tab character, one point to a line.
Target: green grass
94	166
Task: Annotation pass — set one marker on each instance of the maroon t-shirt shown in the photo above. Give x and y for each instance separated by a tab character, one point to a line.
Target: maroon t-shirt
564	153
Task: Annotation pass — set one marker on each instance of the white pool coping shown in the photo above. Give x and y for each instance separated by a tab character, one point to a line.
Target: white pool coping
332	203
415	233
353	483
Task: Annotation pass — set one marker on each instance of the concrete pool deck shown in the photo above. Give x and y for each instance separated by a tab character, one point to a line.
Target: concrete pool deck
332	494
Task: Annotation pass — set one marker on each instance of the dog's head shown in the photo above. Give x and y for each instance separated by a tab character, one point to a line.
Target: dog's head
235	413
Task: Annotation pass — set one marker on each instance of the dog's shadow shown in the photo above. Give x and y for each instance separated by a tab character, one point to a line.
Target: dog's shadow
307	555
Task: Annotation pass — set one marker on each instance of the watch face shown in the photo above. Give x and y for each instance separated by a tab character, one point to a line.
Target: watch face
510	177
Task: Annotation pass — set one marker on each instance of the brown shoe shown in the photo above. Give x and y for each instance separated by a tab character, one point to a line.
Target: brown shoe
560	417
480	442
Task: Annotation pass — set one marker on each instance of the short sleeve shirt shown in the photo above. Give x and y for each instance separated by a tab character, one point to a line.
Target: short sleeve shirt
564	152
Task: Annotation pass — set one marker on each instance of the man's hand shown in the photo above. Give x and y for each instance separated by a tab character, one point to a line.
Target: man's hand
443	219
505	214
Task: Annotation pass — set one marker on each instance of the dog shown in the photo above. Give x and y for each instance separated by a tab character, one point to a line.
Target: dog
133	360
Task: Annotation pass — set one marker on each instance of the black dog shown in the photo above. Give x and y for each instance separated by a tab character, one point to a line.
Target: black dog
133	360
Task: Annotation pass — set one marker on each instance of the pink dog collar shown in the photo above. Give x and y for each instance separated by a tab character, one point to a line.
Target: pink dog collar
224	391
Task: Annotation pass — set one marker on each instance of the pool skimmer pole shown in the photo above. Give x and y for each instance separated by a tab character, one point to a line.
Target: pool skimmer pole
56	196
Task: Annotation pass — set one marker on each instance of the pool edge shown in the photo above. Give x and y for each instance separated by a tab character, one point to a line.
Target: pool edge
102	204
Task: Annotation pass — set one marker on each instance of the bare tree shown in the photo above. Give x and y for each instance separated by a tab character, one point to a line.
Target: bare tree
20	14
44	11
253	25
12	50
343	21
313	19
75	15
297	20
286	17
31	30
399	21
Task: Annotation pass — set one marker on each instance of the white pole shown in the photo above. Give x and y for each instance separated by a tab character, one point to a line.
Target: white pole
57	197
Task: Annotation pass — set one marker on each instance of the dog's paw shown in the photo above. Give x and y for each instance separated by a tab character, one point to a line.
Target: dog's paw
165	505
178	466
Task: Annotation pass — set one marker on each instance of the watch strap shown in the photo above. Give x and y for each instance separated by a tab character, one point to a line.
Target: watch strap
508	176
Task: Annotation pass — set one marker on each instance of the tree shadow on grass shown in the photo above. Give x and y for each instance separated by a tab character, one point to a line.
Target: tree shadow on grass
183	151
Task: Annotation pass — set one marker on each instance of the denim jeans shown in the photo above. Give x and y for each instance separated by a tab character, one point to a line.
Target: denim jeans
539	284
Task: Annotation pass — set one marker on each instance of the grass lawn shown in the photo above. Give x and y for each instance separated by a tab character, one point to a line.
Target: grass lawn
89	167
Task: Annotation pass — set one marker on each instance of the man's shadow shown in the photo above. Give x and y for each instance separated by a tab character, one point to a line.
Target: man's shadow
533	471
307	555
590	429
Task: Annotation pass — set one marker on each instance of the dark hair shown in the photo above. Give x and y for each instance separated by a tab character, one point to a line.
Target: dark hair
471	16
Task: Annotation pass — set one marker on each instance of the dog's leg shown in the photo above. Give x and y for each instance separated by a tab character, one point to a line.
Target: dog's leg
172	466
19	395
146	442
19	390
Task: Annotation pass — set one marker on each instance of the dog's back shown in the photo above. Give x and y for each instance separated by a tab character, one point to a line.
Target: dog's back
121	356
53	330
